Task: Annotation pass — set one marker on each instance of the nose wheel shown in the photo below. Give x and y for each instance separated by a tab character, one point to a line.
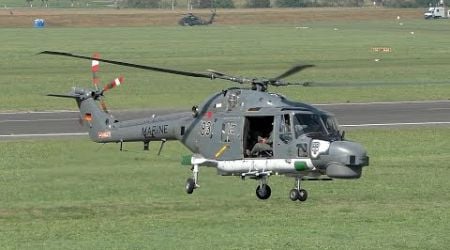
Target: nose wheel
298	193
192	183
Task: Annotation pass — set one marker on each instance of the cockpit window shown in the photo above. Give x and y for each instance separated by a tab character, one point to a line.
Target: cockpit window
285	130
305	123
285	125
331	124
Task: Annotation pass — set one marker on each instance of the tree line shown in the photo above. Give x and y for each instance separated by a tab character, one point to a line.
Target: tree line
258	3
280	3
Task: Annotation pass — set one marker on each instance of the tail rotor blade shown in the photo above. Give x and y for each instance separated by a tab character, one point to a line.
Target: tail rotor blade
103	105
114	83
95	66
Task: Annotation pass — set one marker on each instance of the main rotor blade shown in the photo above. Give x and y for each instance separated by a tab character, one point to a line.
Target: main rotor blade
63	96
132	65
293	70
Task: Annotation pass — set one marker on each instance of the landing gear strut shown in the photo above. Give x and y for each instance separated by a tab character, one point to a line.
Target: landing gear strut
263	191
192	183
298	193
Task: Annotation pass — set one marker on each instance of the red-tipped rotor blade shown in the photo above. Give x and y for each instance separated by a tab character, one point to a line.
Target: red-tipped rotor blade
95	63
103	105
114	83
95	66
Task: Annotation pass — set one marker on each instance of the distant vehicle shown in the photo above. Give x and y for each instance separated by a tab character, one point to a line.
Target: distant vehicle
437	11
190	19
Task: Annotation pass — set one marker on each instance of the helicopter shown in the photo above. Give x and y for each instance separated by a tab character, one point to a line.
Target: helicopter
190	19
291	138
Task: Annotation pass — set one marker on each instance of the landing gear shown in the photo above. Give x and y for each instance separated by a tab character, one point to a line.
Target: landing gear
263	191
298	193
192	183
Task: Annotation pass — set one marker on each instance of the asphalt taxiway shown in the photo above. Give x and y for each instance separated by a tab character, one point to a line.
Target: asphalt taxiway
14	125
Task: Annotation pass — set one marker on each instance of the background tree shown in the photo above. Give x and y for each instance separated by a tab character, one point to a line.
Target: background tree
143	3
258	4
216	4
72	3
400	4
291	3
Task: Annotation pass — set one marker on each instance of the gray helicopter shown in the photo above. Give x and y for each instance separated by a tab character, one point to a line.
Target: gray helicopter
245	132
190	19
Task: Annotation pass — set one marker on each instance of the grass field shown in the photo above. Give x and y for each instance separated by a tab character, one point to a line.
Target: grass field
73	194
416	69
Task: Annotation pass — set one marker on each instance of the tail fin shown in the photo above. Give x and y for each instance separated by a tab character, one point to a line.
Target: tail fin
93	117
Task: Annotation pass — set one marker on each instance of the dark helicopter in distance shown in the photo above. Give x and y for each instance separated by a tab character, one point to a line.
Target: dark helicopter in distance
245	132
190	19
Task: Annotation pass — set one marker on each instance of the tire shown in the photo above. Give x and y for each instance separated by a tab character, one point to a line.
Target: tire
302	195
190	185
263	192
294	194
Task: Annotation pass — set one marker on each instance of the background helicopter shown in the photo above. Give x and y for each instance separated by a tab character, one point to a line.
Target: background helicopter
190	19
246	132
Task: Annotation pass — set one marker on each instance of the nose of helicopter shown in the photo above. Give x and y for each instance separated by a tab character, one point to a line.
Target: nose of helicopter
346	160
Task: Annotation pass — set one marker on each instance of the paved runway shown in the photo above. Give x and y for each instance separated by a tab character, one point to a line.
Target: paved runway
350	116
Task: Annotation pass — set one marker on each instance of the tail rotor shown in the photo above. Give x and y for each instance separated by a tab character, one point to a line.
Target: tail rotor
95	67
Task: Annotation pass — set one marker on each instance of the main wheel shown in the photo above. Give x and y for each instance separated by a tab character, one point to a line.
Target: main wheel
302	195
190	185
263	191
294	194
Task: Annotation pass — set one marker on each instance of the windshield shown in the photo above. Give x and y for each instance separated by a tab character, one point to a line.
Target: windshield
307	123
316	126
331	124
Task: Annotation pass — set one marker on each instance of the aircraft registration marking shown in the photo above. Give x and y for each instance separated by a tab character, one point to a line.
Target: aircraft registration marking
205	128
152	131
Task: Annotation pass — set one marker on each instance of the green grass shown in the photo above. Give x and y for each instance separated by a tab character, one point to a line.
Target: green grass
74	194
416	69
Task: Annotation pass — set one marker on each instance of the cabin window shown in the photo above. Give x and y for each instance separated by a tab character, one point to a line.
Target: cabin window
285	128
